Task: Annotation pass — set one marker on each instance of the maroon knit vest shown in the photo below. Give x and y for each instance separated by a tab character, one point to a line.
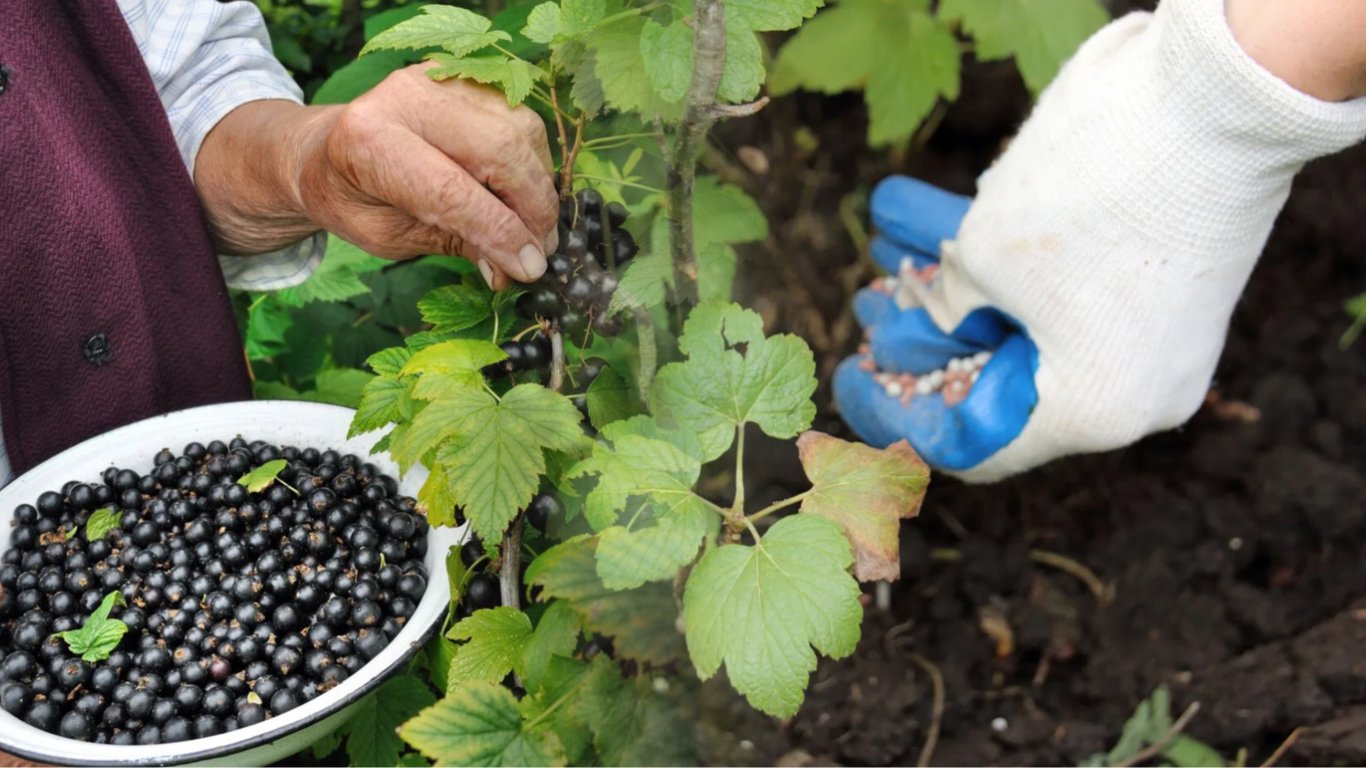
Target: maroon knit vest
112	306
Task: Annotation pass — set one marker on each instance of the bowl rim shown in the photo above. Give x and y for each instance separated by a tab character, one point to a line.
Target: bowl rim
415	644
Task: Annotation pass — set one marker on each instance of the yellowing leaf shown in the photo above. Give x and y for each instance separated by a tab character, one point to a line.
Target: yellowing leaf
866	491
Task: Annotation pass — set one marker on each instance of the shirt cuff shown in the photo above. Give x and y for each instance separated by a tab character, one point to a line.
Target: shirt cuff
276	270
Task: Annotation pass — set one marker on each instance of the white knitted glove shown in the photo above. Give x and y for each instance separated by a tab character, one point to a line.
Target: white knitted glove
1122	223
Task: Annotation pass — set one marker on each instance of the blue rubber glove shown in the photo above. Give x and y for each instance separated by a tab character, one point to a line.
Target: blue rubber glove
1093	276
949	429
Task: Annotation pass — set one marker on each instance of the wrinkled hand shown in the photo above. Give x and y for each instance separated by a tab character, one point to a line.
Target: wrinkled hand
416	166
958	396
412	167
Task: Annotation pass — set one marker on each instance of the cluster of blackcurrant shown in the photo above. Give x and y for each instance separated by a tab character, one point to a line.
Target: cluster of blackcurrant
579	282
482	591
238	605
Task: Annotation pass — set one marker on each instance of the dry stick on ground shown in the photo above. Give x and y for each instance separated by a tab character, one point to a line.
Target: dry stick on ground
936	713
1155	749
1284	747
1103	592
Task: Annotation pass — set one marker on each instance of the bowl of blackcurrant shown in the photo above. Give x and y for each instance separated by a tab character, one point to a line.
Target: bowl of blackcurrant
220	585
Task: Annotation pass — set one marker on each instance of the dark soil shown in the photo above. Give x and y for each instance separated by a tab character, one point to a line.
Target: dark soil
1235	547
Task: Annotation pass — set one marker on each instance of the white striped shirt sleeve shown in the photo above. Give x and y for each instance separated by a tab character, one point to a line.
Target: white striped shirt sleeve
206	59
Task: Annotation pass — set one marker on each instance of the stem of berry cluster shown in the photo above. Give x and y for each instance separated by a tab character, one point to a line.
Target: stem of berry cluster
509	574
709	61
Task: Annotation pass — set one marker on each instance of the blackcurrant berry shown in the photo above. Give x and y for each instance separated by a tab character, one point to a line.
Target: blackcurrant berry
482	592
543	507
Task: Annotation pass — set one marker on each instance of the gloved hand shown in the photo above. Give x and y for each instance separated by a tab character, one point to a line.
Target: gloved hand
1081	301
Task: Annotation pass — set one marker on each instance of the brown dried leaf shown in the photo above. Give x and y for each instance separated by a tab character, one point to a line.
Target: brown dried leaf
866	491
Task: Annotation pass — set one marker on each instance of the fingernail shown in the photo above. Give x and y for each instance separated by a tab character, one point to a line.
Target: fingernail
532	261
486	271
552	240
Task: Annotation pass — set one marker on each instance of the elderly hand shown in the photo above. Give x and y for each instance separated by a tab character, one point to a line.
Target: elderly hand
412	167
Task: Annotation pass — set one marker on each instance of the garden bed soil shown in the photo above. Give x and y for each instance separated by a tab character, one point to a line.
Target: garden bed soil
1234	548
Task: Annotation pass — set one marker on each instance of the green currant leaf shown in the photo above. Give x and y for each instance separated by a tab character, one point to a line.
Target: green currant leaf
388	362
644	283
556	636
634	466
456	30
771	15
372	732
923	67
543	24
337	278
902	57
669	521
263	476
494	451
448	368
743	72
642	622
716	266
731	215
733	376
480	724
340	386
867	492
760	609
609	399
383	401
495	641
667	54
514	76
99	635
456	307
619	68
101	522
632	722
268	320
1040	34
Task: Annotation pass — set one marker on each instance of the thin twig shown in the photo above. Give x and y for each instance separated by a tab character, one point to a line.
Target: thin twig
566	162
646	348
1155	749
728	111
709	59
1284	747
1102	591
510	572
936	714
556	359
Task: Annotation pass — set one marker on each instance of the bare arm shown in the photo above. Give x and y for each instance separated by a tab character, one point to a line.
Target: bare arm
1316	46
412	167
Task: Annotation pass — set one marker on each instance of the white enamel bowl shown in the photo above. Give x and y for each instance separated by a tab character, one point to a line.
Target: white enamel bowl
283	423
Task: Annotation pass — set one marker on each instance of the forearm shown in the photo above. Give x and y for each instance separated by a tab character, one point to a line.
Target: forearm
247	175
1316	46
